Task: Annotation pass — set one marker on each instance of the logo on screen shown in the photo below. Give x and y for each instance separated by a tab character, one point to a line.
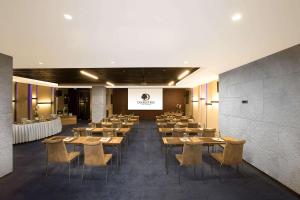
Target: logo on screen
146	100
145	97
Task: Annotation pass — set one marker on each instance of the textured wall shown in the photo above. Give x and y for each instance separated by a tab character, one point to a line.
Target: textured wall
6	158
98	103
270	122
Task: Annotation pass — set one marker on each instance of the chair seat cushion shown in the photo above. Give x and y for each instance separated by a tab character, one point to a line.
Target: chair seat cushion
73	155
179	158
107	158
217	156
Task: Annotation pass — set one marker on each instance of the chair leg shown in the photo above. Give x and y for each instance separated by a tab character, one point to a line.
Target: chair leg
106	174
82	173
179	174
69	171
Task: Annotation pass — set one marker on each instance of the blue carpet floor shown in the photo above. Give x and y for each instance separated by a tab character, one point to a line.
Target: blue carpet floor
142	176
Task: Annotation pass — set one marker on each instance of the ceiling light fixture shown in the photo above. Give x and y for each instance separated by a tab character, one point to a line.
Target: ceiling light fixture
171	83
113	62
89	75
183	74
41	63
186	62
236	17
109	83
68	17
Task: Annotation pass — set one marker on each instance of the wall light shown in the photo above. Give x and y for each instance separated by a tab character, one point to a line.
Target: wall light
236	17
109	83
183	74
214	101
208	104
89	74
45	102
202	98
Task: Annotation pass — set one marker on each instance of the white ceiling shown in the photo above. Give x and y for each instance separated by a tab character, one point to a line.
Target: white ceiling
143	33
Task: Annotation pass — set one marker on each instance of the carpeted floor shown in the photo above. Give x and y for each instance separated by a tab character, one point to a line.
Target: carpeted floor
142	176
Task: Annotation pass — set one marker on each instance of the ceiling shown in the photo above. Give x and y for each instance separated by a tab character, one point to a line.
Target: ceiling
140	33
118	76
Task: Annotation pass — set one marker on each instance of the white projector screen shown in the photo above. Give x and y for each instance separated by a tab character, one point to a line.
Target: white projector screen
145	99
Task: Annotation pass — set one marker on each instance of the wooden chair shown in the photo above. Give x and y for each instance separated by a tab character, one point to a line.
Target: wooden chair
178	132
232	154
209	132
109	132
57	153
80	131
191	156
171	124
116	124
193	125
94	156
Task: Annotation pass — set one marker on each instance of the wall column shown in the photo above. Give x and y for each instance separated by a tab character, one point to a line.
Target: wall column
6	150
98	103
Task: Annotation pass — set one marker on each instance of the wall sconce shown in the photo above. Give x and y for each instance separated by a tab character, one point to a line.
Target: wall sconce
202	98
208	104
214	101
34	98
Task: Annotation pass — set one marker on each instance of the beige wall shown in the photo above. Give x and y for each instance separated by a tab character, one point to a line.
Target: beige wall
44	94
207	115
21	101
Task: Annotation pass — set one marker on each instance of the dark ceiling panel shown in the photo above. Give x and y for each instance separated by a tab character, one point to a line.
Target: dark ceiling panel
149	76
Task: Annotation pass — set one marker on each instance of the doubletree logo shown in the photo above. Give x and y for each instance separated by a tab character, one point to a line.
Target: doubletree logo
145	97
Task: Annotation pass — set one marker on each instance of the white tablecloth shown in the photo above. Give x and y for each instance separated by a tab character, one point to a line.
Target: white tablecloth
35	131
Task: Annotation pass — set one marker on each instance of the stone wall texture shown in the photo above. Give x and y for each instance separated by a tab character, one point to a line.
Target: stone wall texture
98	103
270	122
6	147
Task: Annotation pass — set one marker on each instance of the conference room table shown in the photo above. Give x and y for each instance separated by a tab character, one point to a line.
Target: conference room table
164	131
115	142
169	142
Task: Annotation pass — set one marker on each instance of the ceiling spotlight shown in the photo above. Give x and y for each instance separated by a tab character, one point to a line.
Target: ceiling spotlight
41	63
88	74
236	17
186	62
113	62
109	83
183	74
68	17
171	83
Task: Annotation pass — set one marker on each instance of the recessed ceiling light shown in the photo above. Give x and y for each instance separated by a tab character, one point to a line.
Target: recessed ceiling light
68	17
171	83
186	62
183	74
109	83
236	17
88	74
113	62
41	63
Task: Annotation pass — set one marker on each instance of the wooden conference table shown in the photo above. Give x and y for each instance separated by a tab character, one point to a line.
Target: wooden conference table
165	131
114	142
179	141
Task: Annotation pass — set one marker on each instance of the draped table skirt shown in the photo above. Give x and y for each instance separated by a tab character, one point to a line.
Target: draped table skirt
35	131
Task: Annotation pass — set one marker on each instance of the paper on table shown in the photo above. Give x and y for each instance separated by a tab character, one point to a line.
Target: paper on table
105	139
185	139
218	139
68	139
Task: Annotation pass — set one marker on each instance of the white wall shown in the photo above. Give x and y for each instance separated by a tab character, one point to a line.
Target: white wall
270	122
98	103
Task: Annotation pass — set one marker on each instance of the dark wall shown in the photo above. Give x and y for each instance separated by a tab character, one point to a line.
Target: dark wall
171	97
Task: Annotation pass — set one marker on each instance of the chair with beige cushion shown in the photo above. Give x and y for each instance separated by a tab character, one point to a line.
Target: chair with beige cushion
80	131
232	154
171	124
191	157
57	153
109	132
193	125
94	156
178	132
208	132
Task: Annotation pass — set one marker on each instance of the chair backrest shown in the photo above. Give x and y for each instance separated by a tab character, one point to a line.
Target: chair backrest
80	131
160	120
184	120
56	151
193	125
94	154
98	125
178	132
209	132
192	154
117	124
181	125
233	152
171	124
108	132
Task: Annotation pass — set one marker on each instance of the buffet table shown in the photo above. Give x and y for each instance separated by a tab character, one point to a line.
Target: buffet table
35	131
